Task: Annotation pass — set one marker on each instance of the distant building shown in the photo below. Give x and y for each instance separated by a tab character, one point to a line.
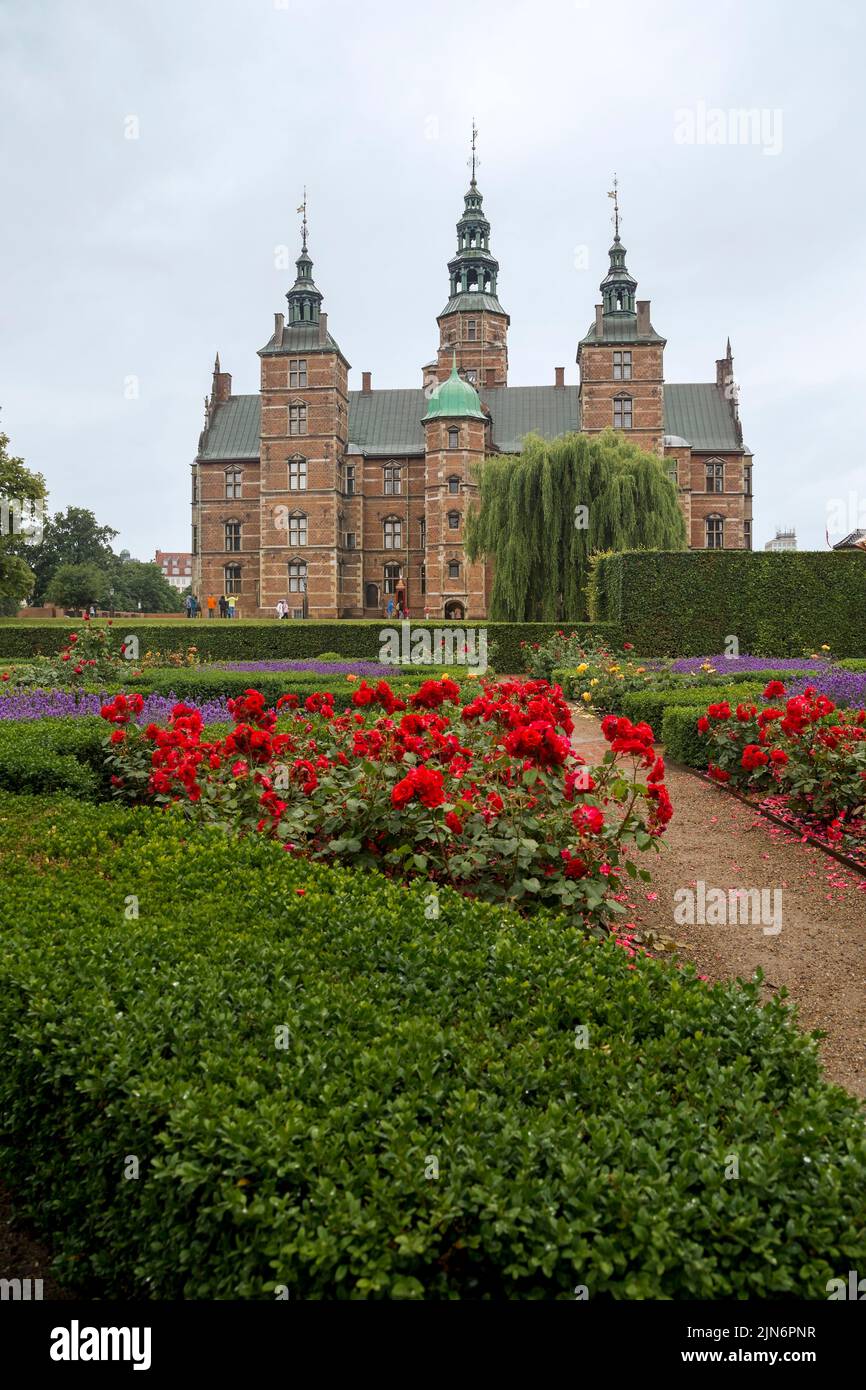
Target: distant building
856	541
176	566
338	500
783	540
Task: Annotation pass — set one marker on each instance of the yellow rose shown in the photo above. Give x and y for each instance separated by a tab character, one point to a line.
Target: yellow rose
586	696
594	681
581	668
824	647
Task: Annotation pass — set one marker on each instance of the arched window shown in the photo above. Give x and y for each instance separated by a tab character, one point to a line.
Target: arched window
622	412
453	521
715	532
392	578
454	485
234	481
393	482
393	533
715	476
371	595
297	529
297	576
297	473
453	437
233	535
232	579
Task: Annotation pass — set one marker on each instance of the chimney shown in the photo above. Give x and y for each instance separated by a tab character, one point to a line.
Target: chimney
366	382
323	327
643	317
599	322
222	384
560	375
279	320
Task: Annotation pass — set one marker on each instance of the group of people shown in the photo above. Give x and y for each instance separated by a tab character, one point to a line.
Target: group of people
225	606
396	605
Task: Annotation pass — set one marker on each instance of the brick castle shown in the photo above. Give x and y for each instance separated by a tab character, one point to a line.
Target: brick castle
333	500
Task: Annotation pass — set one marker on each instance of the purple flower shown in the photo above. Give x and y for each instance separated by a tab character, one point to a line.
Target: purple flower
75	704
691	665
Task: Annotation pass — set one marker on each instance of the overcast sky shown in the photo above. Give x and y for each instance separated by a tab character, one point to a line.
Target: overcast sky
126	262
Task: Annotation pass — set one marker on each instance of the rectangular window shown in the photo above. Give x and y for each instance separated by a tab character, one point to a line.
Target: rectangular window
297	530
453	569
393	533
393	484
234	479
233	535
422	526
297	419
194	541
232	575
622	366
747	534
298	474
472	330
747	479
351	540
349	480
195	487
622	413
297	372
715	477
453	437
423	579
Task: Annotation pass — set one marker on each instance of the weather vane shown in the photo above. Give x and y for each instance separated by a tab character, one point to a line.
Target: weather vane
474	161
614	193
303	209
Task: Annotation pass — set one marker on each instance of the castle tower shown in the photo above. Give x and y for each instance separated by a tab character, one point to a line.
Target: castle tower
473	326
304	431
621	358
455	432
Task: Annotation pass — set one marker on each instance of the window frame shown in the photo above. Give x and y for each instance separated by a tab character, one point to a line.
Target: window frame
718	476
298	529
297	369
234	482
232	525
392	533
297	582
624	404
718	530
297	418
232	578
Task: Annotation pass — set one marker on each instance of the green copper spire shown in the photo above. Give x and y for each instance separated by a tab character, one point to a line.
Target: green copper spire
454	399
474	270
618	286
304	299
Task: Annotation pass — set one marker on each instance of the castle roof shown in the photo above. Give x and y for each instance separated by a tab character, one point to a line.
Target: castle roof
454	399
388	423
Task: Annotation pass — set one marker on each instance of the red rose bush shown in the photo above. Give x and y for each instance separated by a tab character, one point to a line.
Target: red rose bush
488	796
801	749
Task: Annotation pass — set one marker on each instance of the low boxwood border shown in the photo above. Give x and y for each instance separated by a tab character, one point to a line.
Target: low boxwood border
327	1087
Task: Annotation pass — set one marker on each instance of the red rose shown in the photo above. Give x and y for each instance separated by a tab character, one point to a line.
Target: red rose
588	820
118	736
753	757
773	689
703	724
453	821
779	756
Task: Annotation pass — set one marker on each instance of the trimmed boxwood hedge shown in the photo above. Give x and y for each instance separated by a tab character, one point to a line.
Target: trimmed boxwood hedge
430	1130
650	704
193	683
260	640
43	755
679	734
776	603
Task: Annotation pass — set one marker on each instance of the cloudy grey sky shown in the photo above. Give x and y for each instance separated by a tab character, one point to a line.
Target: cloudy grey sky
137	258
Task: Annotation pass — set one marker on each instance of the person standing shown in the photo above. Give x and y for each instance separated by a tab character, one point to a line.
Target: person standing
190	606
222	605
389	608
231	605
211	605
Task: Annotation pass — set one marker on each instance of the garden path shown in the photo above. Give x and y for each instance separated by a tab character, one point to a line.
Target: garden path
819	956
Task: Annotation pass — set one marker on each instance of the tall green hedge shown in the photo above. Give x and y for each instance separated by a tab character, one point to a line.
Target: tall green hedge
338	1085
774	603
258	640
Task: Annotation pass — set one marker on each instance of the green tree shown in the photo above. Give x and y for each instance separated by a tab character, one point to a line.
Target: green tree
77	586
22	500
544	513
73	537
140	581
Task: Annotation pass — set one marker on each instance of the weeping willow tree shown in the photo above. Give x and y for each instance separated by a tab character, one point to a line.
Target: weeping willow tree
542	515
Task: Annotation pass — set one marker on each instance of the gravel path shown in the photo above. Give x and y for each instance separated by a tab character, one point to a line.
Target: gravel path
818	956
